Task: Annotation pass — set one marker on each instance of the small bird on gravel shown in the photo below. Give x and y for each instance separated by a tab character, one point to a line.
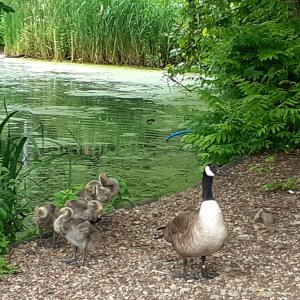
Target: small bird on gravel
80	233
199	233
44	216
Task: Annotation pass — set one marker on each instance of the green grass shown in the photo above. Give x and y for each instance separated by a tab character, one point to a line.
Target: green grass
110	31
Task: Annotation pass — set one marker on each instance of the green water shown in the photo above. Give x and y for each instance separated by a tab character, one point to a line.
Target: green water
100	115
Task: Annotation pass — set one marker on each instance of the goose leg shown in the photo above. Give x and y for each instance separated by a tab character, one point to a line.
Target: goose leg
204	272
73	258
74	253
39	232
55	240
184	267
83	255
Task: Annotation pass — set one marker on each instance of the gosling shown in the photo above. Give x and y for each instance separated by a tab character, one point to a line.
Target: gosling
44	216
110	188
80	233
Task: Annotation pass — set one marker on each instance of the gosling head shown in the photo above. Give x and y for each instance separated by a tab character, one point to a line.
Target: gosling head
41	212
95	206
92	188
66	211
103	176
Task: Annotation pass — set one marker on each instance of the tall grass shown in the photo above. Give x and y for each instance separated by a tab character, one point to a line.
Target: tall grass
132	32
11	211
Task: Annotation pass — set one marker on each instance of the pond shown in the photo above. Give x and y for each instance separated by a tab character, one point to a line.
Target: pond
109	118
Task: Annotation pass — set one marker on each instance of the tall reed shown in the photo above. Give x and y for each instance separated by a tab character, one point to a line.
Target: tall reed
132	32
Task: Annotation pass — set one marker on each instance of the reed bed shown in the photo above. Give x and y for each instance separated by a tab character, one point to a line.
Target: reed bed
135	32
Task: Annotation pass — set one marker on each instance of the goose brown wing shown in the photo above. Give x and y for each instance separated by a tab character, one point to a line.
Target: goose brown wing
181	225
84	227
70	224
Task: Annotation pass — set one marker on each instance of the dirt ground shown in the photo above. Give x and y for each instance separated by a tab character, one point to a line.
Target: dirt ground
258	262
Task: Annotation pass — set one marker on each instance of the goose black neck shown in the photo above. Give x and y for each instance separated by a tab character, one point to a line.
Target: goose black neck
207	182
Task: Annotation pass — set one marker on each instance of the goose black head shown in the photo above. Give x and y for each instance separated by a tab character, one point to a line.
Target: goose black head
212	169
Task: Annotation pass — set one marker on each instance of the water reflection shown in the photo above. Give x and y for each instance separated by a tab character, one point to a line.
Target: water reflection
100	115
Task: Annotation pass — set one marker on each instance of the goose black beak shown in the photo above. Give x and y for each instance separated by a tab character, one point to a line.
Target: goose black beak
221	172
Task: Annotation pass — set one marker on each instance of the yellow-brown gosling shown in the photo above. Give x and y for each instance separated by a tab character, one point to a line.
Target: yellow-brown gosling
91	190
80	233
44	216
110	188
202	232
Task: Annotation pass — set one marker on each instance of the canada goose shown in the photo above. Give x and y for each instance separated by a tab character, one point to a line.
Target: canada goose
79	232
110	187
87	210
44	215
202	232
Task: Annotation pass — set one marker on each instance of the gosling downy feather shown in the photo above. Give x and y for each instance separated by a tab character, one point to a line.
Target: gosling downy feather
90	191
78	232
110	183
88	210
202	232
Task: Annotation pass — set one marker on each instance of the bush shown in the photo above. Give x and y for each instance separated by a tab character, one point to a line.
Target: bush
247	57
14	205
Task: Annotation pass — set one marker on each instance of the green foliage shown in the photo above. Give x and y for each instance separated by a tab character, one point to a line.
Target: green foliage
6	8
270	160
109	31
259	169
4	244
6	268
121	199
12	211
14	205
288	184
1	31
271	186
61	197
246	54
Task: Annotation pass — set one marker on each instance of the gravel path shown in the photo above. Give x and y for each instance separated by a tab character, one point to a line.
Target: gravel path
258	261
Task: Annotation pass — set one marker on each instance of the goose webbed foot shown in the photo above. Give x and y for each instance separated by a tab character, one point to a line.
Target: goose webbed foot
208	275
188	277
205	273
191	277
68	260
185	275
71	260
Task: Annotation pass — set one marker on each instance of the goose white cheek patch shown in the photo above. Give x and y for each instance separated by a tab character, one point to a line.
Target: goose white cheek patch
209	172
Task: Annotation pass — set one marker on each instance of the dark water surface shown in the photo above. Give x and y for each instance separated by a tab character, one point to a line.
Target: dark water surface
103	116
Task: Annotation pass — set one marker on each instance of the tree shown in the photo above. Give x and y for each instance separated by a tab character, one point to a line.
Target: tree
247	57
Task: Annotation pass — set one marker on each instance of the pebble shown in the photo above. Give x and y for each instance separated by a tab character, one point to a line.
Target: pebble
233	293
267	294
